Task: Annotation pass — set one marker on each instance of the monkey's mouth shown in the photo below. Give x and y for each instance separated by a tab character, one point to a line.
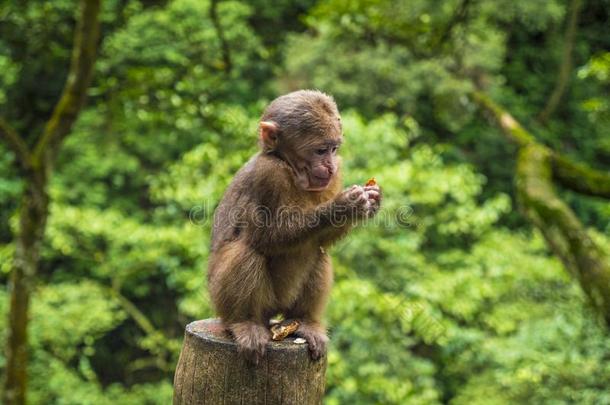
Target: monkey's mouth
318	183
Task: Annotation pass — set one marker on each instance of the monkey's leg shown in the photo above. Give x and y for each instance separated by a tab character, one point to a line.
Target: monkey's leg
309	307
242	293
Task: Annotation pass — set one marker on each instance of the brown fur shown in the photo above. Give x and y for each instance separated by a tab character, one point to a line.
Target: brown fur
263	264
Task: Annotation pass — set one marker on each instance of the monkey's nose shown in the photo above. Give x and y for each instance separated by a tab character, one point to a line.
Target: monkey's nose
322	172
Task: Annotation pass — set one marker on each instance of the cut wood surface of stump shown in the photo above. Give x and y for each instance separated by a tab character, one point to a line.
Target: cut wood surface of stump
211	371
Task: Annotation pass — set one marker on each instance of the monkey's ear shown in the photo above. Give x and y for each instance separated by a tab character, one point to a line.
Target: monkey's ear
268	131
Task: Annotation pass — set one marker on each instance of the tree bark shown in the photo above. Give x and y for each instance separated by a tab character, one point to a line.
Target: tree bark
575	176
580	178
561	229
74	93
211	371
537	167
36	167
32	221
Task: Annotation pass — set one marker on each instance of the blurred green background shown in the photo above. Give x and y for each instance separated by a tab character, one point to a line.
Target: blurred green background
459	301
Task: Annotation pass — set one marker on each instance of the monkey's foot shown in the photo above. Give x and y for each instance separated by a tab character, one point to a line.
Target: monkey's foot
315	335
251	339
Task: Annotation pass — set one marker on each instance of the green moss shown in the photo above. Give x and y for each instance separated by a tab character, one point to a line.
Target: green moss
507	123
562	230
581	178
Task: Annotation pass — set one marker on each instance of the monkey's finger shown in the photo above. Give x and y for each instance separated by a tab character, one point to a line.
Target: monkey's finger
362	202
313	347
320	349
362	196
316	348
372	188
374	195
357	195
315	354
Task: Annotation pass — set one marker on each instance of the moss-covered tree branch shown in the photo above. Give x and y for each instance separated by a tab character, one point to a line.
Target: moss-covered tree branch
562	230
580	178
575	176
537	167
511	128
33	208
75	90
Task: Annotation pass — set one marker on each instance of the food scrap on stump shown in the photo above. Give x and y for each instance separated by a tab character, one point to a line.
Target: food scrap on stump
281	330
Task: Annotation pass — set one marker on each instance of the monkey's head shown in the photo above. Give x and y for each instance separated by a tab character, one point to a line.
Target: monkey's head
304	129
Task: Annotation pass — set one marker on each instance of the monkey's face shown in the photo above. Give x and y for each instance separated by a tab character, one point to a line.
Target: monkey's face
304	129
317	164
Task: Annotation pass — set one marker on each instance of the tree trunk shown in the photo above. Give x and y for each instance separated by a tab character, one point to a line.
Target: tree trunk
32	220
211	371
562	230
537	168
36	166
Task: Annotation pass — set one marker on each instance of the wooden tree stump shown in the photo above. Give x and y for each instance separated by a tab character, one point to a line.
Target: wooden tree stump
210	371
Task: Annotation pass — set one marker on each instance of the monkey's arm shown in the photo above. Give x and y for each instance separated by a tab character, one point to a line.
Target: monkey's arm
334	233
272	232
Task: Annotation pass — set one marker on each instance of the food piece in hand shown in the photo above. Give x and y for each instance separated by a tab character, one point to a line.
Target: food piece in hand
373	195
280	330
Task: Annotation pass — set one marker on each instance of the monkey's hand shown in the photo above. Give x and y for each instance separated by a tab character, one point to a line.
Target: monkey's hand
355	202
316	338
352	203
374	198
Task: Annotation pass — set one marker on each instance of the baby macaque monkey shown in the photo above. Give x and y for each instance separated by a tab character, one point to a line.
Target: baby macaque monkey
275	221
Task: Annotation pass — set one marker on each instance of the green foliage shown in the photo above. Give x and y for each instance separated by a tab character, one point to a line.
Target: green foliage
598	69
371	347
462	277
446	297
10	190
417	58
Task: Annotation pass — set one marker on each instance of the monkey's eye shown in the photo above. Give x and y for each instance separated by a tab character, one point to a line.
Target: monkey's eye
321	151
334	149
